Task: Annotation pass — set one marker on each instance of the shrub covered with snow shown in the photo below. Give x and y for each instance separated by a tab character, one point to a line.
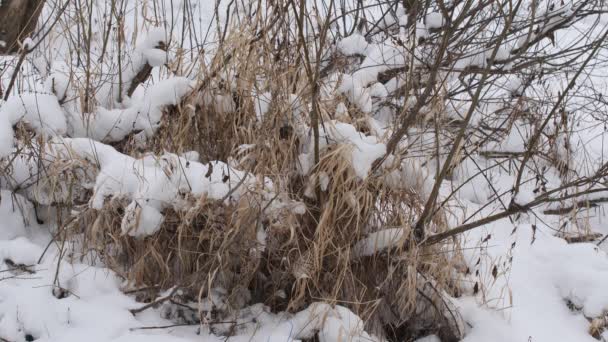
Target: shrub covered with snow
340	171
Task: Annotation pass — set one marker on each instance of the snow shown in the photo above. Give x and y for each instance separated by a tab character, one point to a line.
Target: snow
332	324
149	47
155	57
149	51
364	150
141	219
27	44
525	283
478	59
356	92
524	196
378	241
16	215
6	136
96	310
502	54
515	87
41	111
57	84
156	183
324	180
262	104
434	20
411	175
421	31
380	57
430	338
166	92
378	90
354	44
558	272
111	125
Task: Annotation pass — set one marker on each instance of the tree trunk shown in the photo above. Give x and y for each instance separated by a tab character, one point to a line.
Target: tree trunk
17	21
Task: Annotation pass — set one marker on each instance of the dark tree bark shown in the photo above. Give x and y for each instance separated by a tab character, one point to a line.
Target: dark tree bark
17	21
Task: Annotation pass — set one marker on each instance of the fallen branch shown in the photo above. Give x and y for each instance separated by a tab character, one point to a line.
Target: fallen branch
163	326
156	302
500	154
585	204
582	238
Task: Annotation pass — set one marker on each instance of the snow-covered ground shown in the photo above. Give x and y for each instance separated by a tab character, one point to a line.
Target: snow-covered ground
524	281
